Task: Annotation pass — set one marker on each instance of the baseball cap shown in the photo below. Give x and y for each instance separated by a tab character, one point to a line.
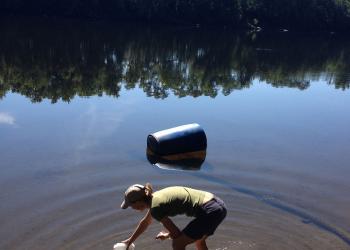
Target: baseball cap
134	193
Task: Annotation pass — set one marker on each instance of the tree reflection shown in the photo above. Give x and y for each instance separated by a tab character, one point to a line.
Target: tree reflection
60	60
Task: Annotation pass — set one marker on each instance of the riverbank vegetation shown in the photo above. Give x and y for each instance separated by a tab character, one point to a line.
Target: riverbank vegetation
62	60
252	14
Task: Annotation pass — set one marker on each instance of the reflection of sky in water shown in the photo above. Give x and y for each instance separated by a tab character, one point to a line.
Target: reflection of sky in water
98	122
66	131
288	143
286	120
7	119
279	143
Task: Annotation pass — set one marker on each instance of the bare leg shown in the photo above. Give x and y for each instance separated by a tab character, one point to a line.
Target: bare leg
201	244
181	242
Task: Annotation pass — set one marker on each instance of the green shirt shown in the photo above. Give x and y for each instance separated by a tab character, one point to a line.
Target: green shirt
173	201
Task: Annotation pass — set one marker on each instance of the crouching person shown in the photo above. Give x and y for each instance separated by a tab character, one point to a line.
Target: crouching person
207	209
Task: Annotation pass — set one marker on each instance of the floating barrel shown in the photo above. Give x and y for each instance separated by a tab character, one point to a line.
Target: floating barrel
183	161
185	138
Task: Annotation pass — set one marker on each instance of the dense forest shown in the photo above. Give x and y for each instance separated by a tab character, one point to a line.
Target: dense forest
253	14
43	60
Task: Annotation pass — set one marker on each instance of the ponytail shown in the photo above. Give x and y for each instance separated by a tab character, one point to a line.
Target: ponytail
148	192
149	187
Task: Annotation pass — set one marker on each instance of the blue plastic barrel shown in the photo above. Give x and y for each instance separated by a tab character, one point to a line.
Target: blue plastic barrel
185	138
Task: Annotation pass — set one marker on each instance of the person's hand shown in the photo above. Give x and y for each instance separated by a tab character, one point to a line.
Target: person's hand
163	236
127	242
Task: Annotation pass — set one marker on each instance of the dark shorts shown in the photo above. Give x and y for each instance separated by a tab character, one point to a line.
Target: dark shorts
208	218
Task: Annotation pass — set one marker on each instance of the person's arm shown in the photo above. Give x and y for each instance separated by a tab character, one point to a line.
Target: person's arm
174	231
141	227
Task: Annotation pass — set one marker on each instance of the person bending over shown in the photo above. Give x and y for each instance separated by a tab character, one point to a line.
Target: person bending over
207	209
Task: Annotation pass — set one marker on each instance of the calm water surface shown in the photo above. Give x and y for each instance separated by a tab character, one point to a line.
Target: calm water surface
79	99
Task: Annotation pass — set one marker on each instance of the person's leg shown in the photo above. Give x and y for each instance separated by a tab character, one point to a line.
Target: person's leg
181	242
201	244
204	225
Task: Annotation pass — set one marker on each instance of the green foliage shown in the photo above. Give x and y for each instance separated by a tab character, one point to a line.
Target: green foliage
62	60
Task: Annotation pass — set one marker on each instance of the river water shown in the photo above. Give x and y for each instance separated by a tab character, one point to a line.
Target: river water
79	99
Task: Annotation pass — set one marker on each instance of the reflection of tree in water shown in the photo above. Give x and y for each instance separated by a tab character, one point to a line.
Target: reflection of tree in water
60	61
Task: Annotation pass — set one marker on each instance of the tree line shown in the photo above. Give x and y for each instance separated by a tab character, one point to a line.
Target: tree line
60	61
286	14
